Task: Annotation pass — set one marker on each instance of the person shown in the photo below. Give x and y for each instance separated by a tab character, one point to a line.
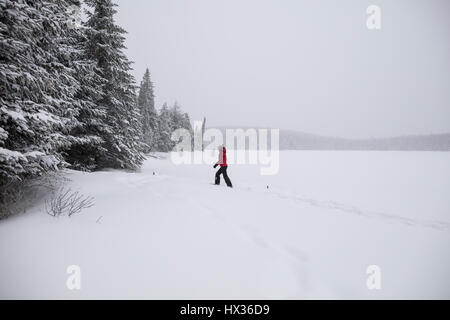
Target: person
223	167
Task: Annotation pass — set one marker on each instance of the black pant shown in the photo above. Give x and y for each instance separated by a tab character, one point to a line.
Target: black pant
223	170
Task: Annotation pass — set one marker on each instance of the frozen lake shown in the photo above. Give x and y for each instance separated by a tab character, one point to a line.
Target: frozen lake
308	232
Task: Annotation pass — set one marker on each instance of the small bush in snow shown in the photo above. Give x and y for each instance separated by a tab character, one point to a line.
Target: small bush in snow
67	202
17	195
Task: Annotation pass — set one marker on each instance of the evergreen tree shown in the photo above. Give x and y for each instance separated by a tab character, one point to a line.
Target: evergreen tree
165	143
179	119
37	85
169	120
87	142
175	116
105	45
146	103
186	122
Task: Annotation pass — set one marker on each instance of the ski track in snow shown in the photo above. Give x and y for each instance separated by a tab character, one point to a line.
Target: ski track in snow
143	179
297	260
333	205
324	204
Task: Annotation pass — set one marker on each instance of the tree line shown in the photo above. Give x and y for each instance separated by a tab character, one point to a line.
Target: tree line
67	96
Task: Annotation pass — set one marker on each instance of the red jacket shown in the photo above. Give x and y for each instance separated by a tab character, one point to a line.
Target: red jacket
222	158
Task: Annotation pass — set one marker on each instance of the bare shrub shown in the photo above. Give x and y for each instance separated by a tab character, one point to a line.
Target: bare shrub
67	202
17	196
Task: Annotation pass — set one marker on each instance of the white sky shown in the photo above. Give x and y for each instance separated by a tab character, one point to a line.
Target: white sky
307	65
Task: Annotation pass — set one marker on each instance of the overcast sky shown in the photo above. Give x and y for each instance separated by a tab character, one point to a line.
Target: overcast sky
308	65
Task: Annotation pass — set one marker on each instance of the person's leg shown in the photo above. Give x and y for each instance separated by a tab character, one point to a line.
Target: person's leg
218	173
227	179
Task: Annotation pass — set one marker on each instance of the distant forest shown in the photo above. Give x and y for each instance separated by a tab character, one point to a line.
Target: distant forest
297	140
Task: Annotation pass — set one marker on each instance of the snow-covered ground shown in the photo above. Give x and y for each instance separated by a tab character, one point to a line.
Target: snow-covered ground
324	219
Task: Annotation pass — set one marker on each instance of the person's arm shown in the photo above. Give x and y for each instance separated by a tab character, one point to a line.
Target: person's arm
220	159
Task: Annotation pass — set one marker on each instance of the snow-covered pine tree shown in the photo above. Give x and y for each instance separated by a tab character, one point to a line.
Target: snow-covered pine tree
146	103
186	122
179	119
38	85
165	143
175	116
86	136
37	88
169	120
124	148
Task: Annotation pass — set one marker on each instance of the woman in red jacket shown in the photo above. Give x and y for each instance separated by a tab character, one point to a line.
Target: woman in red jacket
223	167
